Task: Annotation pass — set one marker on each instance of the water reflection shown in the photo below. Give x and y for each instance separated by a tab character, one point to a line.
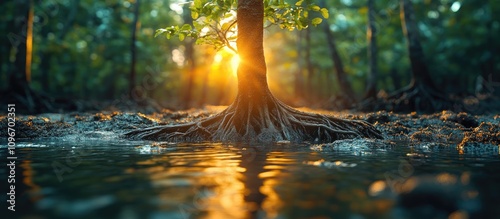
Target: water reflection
216	182
236	181
257	182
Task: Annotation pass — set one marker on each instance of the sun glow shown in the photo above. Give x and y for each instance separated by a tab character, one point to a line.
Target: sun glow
226	60
235	62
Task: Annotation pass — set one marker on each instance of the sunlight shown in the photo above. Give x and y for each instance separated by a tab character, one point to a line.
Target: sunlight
455	6
224	61
235	61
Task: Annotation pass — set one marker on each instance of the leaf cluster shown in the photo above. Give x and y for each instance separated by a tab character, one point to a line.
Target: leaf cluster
214	21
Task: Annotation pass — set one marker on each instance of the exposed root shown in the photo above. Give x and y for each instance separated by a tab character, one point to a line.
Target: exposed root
28	100
412	98
273	121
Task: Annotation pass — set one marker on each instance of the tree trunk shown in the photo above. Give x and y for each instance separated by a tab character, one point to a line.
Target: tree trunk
252	81
133	50
341	76
17	76
419	70
371	88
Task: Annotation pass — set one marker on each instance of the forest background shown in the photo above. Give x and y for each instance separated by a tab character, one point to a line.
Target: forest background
106	51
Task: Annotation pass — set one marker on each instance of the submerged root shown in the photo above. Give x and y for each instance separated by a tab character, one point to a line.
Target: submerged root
270	122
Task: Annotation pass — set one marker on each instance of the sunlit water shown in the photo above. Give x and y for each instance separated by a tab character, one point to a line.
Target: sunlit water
113	178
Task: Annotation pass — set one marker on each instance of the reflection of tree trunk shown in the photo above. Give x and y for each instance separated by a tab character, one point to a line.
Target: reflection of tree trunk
344	84
133	51
253	161
190	62
371	88
420	72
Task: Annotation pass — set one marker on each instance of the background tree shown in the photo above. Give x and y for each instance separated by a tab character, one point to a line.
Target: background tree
344	84
371	83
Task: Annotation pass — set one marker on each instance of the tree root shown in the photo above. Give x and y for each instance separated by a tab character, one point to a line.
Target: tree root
270	122
28	100
416	97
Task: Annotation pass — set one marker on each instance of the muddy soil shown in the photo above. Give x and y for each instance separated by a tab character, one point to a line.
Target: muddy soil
443	128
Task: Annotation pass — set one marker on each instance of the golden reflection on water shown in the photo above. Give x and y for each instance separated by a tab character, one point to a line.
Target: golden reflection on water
217	182
233	182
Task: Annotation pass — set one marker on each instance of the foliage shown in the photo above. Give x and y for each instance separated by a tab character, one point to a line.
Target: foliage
215	21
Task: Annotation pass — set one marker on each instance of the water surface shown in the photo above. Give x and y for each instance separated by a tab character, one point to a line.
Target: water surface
91	178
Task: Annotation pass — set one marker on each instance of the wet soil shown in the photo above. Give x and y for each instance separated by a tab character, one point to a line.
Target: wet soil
446	127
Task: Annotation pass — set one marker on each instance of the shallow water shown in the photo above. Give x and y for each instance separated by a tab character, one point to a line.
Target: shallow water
112	178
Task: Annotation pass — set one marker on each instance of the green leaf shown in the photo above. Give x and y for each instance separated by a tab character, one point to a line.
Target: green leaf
315	8
160	31
197	3
324	13
182	36
226	26
299	3
195	15
186	27
316	21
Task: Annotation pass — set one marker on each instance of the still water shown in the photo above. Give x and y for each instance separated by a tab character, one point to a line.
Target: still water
114	178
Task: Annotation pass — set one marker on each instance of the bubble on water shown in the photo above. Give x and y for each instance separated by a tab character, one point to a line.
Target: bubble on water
329	164
355	146
26	145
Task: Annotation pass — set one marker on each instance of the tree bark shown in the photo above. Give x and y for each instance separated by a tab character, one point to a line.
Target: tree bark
371	88
252	80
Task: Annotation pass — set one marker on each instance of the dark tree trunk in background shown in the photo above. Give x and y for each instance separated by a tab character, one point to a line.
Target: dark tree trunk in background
396	78
133	49
310	68
20	37
190	62
489	80
255	115
345	85
419	70
371	83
